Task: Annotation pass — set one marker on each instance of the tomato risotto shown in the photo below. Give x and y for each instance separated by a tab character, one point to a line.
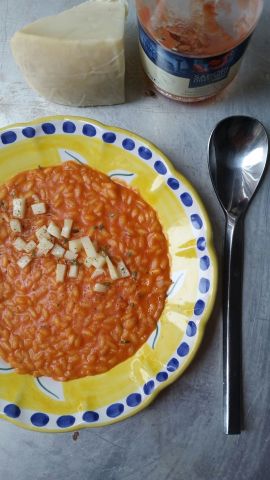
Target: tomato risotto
84	272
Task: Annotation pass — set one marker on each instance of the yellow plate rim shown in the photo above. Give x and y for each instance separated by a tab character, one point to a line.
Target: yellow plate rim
211	252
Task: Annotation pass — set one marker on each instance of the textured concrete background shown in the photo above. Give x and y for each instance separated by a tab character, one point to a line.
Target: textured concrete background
180	436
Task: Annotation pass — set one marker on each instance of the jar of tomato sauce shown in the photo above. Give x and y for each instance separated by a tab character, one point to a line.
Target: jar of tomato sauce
192	49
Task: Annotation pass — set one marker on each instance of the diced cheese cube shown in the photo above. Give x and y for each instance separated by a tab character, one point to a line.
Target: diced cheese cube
98	261
100	287
18	207
42	233
19	244
38	208
30	246
75	245
80	50
70	255
122	270
97	272
15	225
73	271
24	261
112	270
88	262
58	251
60	272
67	228
88	247
54	230
44	246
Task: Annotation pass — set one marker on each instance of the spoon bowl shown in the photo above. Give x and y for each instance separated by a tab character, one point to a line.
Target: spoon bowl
238	149
237	152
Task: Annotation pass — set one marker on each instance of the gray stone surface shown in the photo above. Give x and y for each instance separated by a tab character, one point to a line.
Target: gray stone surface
180	436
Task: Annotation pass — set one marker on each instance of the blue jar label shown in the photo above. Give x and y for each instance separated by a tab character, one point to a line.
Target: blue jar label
188	76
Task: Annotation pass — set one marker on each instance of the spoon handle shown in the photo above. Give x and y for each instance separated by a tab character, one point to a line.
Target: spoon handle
232	325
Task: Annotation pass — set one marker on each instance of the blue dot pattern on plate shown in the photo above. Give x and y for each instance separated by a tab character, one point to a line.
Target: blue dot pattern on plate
199	307
134	399
48	128
128	144
204	285
172	365
149	387
90	417
201	244
191	329
196	221
39	419
89	130
162	376
69	127
186	199
8	137
173	183
183	349
65	421
12	410
160	167
109	137
204	262
28	132
115	410
145	153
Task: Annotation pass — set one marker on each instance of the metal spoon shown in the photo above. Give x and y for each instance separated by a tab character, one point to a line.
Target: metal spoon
238	150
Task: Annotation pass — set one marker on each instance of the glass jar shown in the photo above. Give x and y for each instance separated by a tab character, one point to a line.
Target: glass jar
192	49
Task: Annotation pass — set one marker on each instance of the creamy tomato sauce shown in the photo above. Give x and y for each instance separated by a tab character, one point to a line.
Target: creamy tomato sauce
66	330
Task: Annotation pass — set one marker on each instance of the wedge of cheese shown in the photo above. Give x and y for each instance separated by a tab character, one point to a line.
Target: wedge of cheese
76	57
